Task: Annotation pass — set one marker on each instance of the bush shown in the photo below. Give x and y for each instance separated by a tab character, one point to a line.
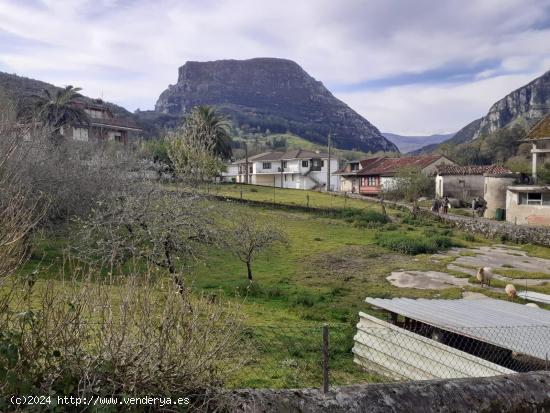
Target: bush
96	339
412	245
305	299
253	190
469	237
367	218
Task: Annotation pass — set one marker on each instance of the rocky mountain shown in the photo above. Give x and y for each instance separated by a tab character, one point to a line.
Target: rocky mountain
407	144
524	106
24	90
267	94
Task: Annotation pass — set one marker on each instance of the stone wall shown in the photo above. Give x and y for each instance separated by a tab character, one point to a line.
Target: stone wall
498	230
526	392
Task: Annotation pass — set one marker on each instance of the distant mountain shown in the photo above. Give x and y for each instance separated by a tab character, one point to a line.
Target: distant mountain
410	143
524	106
24	90
266	94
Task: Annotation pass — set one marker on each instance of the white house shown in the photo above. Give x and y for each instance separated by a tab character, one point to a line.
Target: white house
296	169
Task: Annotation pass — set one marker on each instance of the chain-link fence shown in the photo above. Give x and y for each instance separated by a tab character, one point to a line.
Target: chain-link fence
301	356
416	351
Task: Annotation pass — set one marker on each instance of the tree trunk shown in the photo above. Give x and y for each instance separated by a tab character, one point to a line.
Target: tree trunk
249	269
415	209
383	206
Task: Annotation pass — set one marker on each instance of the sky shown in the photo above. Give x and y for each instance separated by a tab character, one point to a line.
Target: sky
410	67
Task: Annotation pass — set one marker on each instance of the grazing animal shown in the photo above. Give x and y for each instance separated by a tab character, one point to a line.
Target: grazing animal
532	305
484	275
511	291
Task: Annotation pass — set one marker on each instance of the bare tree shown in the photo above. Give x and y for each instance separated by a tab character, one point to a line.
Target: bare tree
21	208
165	228
247	236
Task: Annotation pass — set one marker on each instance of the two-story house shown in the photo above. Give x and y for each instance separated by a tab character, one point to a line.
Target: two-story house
103	126
378	173
296	169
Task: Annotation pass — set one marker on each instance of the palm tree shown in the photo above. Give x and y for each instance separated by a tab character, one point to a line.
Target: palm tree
216	127
60	108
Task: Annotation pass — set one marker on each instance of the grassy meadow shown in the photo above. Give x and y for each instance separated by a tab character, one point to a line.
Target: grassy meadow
323	275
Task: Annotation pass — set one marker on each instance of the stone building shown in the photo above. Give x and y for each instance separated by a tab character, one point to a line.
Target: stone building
530	204
464	182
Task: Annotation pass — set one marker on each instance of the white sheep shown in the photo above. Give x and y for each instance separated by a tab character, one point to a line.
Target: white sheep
511	292
484	275
532	305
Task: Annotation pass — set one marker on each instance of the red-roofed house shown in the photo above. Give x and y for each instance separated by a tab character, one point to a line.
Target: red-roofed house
380	172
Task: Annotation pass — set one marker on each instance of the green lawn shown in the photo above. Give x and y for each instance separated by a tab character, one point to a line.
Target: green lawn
290	196
323	276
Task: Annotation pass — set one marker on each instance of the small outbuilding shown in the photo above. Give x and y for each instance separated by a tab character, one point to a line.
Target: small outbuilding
464	182
425	339
530	204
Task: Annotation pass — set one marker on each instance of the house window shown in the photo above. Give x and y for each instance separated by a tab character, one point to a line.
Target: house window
305	164
354	166
283	164
286	176
266	165
292	177
251	169
322	164
534	198
370	181
80	134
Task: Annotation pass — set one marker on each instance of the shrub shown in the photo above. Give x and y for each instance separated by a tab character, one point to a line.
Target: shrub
363	218
97	339
253	190
410	244
305	299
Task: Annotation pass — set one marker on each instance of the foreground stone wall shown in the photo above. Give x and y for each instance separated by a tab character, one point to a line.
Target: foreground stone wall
526	392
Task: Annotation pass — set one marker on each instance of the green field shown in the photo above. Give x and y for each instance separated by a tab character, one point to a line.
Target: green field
323	275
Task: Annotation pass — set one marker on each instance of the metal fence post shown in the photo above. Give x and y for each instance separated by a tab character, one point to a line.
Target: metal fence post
325	359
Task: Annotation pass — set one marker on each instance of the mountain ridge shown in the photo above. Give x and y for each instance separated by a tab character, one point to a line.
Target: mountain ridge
268	94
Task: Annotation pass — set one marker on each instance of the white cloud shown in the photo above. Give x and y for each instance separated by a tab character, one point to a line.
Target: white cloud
425	109
129	51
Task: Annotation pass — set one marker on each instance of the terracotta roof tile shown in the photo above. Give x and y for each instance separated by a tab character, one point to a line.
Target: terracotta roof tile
471	170
389	166
363	163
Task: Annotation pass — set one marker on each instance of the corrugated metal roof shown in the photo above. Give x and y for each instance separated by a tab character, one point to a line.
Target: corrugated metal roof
512	326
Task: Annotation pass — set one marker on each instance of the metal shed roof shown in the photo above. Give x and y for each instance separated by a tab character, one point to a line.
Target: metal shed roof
512	326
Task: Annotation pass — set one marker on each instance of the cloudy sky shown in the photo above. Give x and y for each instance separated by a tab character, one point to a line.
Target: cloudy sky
410	67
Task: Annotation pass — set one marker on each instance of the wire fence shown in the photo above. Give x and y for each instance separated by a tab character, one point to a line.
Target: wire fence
416	351
298	357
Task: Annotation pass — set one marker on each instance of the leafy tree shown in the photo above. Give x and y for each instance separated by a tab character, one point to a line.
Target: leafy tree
59	109
409	184
198	147
213	127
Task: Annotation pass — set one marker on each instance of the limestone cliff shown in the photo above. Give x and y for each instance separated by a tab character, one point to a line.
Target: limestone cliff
270	94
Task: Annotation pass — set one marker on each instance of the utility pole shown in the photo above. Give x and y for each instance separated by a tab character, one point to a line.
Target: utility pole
328	165
246	161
